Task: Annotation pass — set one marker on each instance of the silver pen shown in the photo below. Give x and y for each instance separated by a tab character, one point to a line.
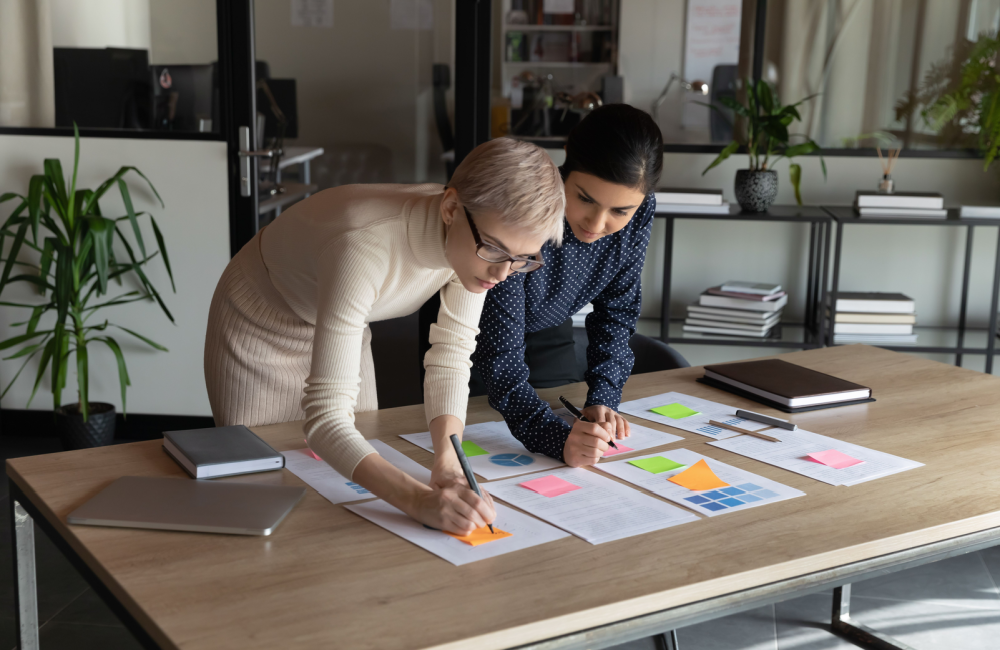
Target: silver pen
766	419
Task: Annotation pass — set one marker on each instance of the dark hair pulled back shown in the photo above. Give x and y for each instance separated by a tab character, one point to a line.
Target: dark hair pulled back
619	144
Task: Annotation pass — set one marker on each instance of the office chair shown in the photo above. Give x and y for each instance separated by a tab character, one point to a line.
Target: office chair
651	355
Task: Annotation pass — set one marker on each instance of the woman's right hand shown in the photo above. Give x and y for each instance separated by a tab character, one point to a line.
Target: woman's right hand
455	508
586	444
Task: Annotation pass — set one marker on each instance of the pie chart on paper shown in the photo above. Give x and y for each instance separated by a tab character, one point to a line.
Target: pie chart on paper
511	460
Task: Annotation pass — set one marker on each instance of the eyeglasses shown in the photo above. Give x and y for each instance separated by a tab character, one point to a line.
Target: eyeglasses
491	253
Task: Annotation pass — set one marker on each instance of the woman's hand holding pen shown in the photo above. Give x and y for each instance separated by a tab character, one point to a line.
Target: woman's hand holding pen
454	508
615	424
586	443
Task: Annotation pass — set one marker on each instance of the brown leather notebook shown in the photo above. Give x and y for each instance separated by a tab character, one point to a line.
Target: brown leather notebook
787	383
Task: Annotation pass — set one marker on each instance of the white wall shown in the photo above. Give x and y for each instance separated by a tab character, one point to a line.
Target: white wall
191	178
924	262
182	32
100	23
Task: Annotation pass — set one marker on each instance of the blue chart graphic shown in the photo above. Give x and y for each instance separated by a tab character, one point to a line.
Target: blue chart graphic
735	421
357	488
710	430
731	497
511	460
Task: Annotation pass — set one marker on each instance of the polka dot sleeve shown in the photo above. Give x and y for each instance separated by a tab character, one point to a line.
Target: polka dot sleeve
613	321
500	358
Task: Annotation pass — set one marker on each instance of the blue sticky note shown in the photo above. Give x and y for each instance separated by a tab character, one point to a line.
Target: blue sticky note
766	494
731	502
713	506
696	499
748	498
749	487
731	491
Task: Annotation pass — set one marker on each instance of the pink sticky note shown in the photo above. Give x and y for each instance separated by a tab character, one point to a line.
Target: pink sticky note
611	451
310	451
834	458
550	486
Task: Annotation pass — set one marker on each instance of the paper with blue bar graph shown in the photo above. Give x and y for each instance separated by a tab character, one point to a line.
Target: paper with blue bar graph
691	414
335	487
745	489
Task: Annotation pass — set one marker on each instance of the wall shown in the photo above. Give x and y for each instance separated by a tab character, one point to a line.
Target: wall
191	178
100	23
183	32
924	262
365	80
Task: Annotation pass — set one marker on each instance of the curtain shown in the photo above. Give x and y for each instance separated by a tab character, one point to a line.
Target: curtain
27	96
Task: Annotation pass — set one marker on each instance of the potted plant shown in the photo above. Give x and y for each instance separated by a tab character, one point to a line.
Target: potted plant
960	97
72	266
767	142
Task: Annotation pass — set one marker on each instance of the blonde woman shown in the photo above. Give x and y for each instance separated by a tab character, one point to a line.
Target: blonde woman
288	335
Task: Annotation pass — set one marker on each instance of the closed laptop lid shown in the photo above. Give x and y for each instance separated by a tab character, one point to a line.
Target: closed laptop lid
189	505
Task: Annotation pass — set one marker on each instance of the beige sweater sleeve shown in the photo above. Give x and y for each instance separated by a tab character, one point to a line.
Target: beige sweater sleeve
350	272
453	340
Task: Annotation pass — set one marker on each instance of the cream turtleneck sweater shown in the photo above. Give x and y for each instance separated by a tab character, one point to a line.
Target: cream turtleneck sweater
361	253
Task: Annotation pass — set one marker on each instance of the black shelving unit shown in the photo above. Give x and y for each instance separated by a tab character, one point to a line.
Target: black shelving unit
943	337
803	336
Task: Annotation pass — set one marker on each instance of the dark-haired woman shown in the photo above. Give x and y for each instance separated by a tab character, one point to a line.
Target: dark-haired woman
614	157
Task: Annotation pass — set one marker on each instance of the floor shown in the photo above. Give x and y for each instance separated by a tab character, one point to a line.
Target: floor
951	605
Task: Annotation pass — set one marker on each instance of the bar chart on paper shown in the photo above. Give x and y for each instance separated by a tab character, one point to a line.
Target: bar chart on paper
737	489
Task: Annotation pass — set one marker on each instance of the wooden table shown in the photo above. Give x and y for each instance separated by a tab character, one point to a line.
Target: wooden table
328	578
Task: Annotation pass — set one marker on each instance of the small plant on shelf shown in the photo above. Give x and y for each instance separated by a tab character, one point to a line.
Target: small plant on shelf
72	263
767	142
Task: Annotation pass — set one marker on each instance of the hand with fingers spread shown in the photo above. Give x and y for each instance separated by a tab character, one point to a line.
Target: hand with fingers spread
586	443
616	425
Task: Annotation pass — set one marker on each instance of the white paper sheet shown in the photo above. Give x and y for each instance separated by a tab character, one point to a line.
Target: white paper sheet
641	438
507	456
695	423
791	452
601	511
333	486
747	490
527	532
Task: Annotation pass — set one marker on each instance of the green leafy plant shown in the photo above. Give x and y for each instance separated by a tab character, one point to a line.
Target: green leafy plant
767	138
959	97
76	263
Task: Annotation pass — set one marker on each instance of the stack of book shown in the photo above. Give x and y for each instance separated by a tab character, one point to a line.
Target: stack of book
880	318
737	309
921	205
691	201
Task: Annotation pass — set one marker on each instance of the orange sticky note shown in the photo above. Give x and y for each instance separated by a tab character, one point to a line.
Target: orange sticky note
698	477
481	536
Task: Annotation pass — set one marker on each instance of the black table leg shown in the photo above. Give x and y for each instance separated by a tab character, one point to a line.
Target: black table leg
991	340
836	279
965	295
668	254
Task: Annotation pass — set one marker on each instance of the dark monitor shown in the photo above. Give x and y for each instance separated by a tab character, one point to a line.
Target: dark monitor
102	88
283	91
183	98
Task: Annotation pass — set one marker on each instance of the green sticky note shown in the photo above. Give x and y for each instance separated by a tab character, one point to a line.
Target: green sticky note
656	464
472	449
674	411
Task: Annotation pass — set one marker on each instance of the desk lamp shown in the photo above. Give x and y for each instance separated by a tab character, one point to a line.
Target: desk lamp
692	86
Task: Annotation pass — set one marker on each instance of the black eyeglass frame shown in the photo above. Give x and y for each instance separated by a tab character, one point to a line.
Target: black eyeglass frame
530	263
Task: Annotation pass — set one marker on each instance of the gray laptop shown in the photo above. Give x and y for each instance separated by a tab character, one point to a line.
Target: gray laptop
183	504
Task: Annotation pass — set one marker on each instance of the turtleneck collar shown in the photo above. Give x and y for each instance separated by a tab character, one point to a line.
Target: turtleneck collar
425	231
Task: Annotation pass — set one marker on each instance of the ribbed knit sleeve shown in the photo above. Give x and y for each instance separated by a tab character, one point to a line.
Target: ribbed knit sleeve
350	274
453	340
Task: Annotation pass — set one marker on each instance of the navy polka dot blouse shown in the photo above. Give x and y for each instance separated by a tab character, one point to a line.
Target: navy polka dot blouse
606	273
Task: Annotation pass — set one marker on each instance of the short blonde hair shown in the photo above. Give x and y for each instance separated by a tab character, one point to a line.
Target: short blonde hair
519	181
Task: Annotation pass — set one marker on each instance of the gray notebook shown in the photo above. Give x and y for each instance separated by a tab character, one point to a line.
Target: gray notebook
222	451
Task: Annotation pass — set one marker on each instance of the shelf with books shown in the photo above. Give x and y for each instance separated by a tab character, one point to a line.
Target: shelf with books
846	215
940	340
809	334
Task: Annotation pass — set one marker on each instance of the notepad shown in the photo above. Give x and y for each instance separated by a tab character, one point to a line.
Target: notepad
481	536
656	464
550	486
472	449
674	411
698	477
834	459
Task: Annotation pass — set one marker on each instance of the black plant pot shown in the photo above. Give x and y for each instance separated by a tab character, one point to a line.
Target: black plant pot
97	431
756	189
